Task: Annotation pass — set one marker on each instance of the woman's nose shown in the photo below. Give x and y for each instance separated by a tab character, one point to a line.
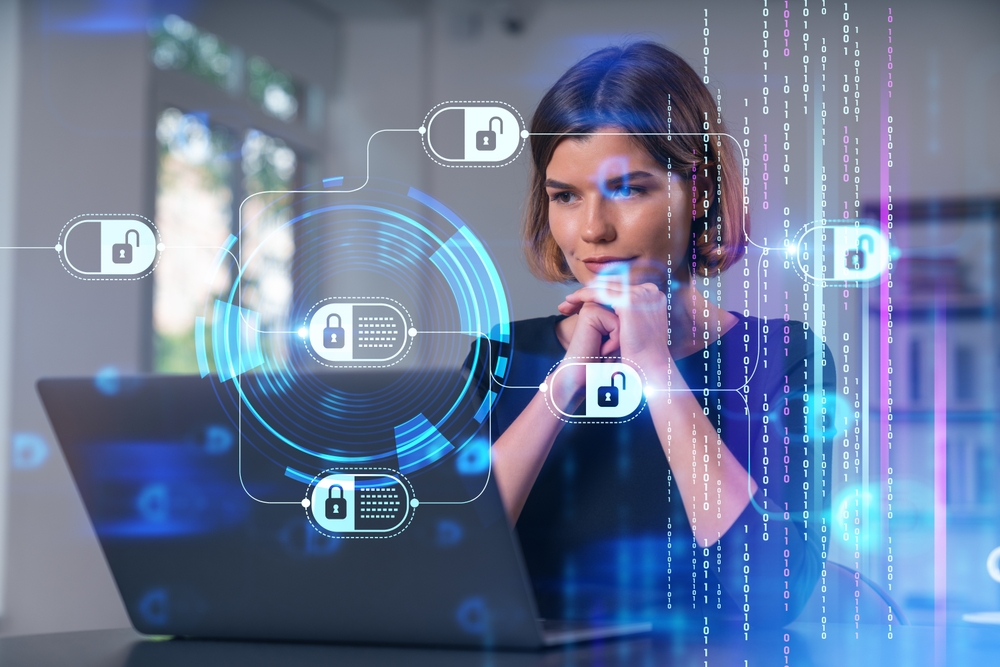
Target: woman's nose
597	226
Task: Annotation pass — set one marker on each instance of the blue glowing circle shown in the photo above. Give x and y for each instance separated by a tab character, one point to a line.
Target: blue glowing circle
108	381
422	256
473	616
28	450
155	606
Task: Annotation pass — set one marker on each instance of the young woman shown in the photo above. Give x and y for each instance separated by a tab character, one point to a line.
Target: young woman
701	505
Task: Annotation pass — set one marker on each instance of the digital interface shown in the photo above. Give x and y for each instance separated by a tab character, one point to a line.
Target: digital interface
768	394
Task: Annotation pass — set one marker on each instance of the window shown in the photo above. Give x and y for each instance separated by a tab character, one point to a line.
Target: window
178	45
273	90
207	163
194	214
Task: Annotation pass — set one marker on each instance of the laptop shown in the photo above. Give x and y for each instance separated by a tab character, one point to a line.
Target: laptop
198	511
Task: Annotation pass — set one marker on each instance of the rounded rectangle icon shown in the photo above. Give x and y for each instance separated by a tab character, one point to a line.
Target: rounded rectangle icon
124	247
614	391
343	330
473	134
842	252
357	503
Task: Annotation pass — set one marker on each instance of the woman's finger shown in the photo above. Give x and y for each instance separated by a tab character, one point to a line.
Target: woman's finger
599	318
602	297
611	346
567	308
640	296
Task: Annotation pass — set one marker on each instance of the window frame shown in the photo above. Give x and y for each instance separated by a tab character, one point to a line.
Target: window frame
234	110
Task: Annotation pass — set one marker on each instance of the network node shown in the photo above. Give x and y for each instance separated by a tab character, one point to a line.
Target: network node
123	247
349	329
473	134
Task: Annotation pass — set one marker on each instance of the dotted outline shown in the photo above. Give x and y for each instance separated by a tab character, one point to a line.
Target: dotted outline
62	241
400	477
823	283
638	410
406	332
481	103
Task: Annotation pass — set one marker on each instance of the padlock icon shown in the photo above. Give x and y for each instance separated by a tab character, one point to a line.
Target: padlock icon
336	508
333	337
121	253
486	140
607	397
856	258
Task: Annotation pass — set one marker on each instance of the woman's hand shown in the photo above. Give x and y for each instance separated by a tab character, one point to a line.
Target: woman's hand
594	335
636	330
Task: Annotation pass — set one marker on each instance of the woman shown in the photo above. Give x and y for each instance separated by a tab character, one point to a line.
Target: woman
700	506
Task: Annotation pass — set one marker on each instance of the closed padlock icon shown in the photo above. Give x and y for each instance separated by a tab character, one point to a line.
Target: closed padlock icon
121	253
336	508
486	140
607	397
333	337
856	258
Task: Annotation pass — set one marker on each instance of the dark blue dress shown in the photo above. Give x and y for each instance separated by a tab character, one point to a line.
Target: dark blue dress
604	531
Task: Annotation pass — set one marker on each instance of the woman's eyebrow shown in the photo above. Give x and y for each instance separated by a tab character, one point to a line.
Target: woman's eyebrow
559	185
625	178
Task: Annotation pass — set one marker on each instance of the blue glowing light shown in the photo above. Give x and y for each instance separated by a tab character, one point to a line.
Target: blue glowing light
472	615
487	405
402	242
473	458
857	516
292	473
108	381
105	17
28	450
155	606
153	502
448	534
200	353
419	443
218	439
236	340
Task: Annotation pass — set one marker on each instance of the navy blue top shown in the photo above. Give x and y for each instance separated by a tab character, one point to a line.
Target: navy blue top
604	531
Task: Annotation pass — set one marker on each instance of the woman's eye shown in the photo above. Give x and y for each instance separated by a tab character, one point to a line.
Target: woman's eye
624	192
562	197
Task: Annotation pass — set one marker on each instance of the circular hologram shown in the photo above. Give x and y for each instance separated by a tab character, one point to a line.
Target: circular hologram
384	244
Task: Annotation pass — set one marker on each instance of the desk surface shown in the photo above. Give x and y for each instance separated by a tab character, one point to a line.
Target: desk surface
955	646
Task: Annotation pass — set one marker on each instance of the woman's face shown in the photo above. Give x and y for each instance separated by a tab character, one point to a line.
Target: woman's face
612	207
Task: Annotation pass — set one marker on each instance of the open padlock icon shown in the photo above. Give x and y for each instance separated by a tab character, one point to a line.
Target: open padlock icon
486	140
333	336
607	397
121	253
856	258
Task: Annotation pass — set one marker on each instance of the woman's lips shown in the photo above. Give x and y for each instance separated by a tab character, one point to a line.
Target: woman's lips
605	263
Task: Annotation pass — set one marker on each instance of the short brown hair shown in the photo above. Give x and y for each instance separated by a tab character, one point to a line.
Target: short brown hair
640	88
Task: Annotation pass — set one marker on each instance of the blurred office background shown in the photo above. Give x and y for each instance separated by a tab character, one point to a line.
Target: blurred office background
178	110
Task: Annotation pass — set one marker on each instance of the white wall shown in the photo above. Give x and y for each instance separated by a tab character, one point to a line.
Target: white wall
82	136
84	130
10	61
